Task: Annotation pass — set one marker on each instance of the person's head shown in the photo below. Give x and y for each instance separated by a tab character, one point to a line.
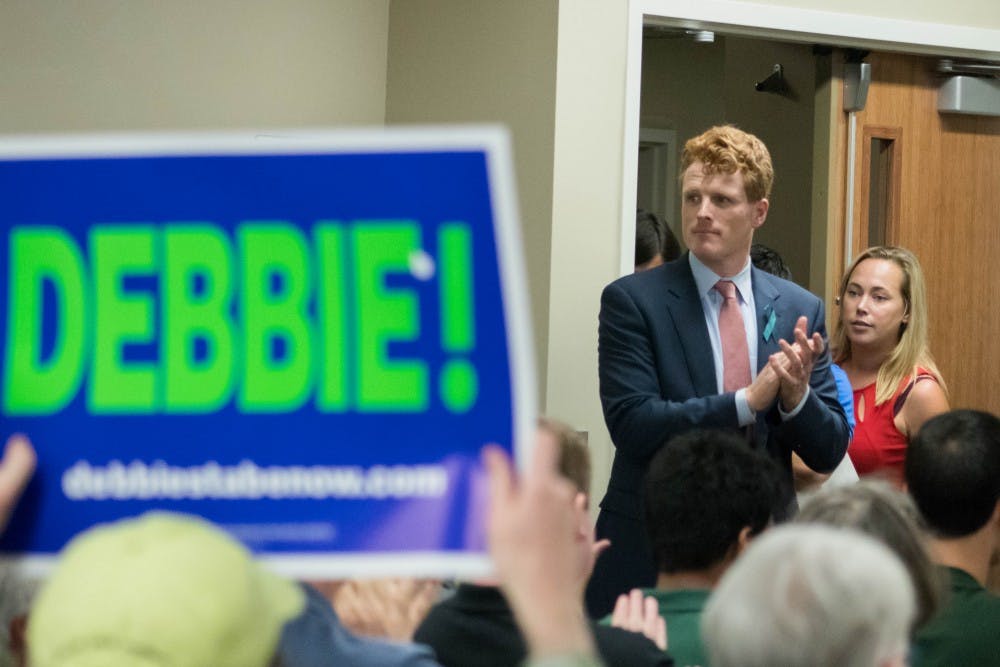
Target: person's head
161	589
654	242
726	177
574	457
573	465
811	596
883	310
876	508
952	471
768	259
706	494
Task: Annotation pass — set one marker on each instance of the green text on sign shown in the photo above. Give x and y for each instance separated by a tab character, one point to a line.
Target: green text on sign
269	320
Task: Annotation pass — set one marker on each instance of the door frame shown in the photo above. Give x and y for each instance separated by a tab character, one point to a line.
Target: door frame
778	23
663	143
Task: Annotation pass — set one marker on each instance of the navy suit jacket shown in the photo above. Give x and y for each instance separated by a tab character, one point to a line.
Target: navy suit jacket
657	379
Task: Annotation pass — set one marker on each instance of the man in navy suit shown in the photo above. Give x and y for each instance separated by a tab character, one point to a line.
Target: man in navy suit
668	363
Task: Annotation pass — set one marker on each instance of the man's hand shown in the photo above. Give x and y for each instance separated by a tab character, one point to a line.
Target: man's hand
794	364
637	614
763	390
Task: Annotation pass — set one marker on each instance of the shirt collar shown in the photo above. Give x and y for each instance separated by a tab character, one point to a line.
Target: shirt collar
705	278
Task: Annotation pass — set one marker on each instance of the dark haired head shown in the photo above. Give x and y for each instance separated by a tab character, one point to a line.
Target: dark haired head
768	259
653	237
702	489
953	471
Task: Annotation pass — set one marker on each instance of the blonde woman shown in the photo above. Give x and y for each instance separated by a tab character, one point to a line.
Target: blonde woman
881	343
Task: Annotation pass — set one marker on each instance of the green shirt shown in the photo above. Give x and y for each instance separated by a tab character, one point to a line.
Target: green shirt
966	633
682	611
576	660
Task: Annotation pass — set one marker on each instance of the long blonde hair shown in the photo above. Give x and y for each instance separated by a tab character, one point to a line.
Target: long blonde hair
911	349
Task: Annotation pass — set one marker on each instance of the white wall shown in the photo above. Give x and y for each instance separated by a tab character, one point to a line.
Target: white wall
586	204
458	61
148	64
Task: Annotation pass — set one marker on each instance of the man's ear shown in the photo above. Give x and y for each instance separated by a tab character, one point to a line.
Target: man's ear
994	524
760	208
743	540
585	527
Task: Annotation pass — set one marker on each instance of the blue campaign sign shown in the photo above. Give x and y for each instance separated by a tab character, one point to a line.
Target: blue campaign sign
306	340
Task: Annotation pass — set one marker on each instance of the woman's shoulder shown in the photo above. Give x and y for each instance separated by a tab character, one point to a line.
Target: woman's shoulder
925	390
908	386
909	383
922	397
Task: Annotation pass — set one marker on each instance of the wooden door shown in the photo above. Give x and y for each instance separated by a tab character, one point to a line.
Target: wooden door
939	179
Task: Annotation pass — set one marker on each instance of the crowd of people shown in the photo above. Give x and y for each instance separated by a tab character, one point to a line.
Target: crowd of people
723	397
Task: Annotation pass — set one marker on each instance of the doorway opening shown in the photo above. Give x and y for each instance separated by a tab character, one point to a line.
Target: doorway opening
690	84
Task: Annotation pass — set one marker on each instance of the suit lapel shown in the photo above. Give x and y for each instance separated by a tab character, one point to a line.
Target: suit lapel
765	296
684	304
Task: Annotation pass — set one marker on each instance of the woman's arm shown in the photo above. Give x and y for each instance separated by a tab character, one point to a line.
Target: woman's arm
926	400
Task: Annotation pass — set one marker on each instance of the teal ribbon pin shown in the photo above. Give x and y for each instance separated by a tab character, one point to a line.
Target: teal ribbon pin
772	319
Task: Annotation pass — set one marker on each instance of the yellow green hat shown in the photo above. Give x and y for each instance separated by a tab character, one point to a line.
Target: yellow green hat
161	589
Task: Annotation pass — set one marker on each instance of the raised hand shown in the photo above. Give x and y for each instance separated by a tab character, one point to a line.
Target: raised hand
532	531
637	614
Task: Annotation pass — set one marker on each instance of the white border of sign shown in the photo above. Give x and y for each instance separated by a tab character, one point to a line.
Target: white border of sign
494	141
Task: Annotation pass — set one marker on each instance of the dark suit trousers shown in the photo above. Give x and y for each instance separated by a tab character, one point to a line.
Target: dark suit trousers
627	564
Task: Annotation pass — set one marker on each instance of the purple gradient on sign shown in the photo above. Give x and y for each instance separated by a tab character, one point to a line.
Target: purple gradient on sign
426	524
479	505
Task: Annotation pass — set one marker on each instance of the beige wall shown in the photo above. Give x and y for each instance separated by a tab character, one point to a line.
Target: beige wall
145	64
458	61
586	209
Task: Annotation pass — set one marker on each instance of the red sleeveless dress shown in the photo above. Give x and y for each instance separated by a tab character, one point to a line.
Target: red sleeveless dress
878	446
